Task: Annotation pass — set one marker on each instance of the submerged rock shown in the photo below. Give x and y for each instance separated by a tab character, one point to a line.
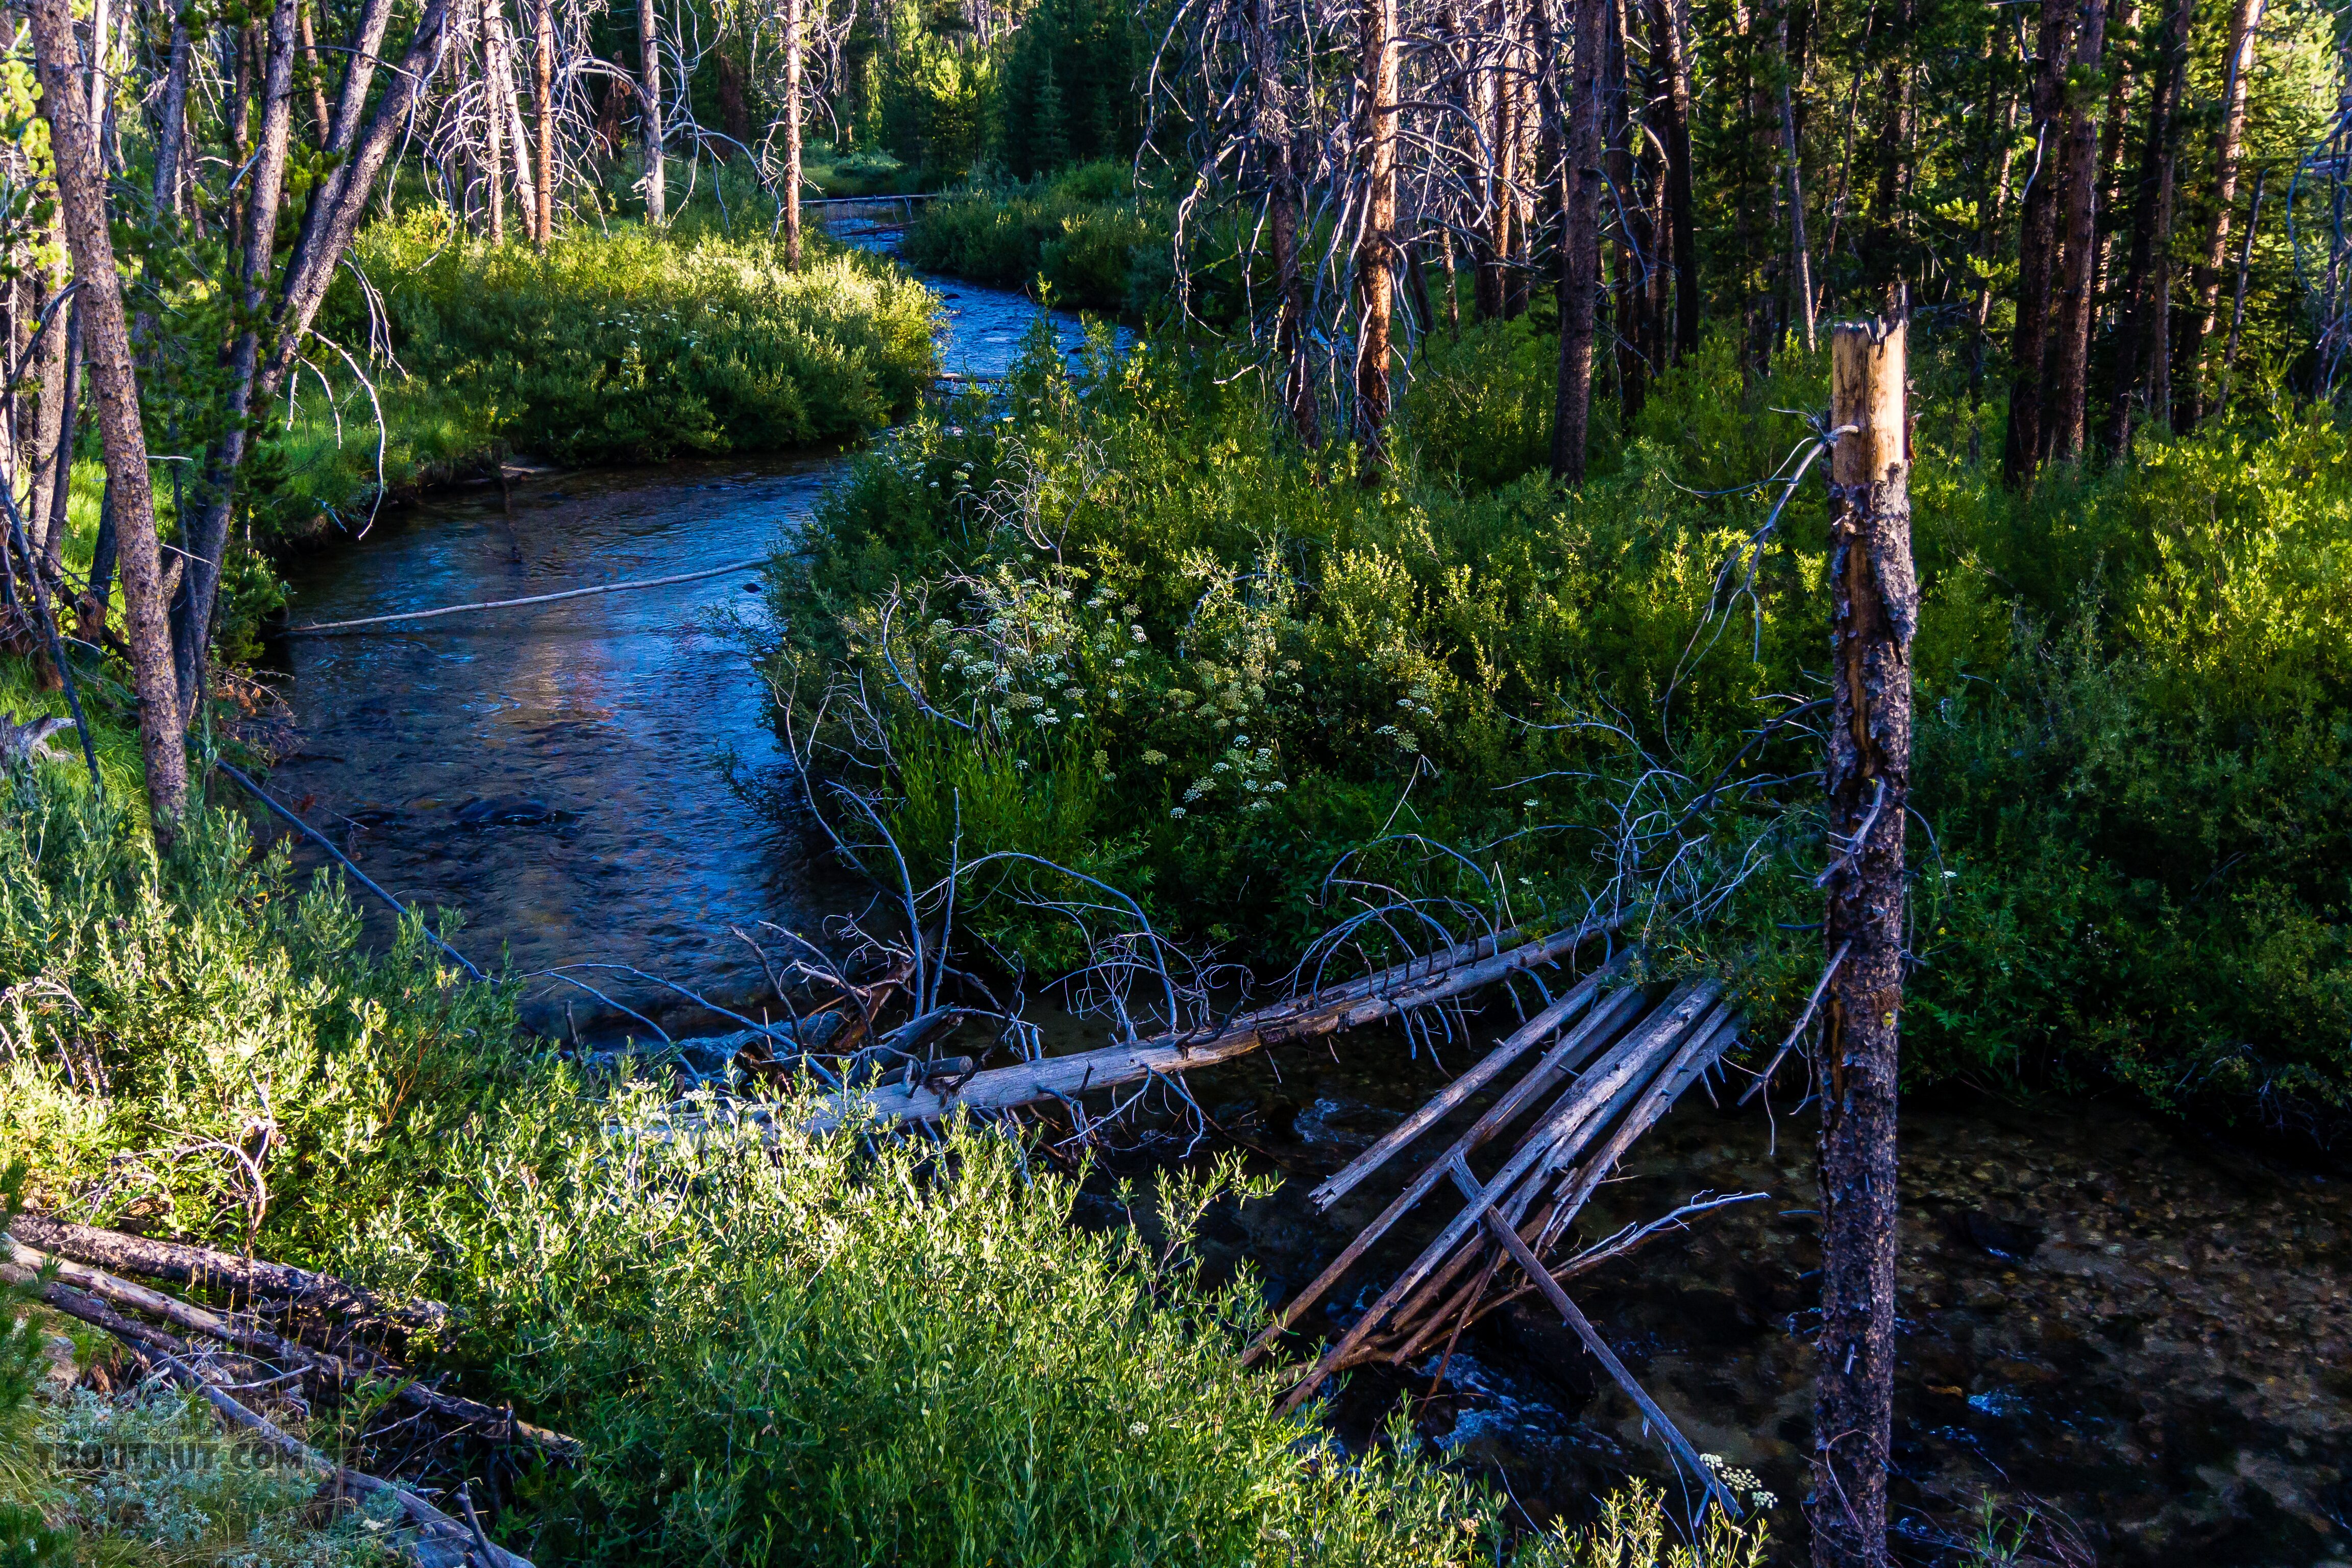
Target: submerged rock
510	809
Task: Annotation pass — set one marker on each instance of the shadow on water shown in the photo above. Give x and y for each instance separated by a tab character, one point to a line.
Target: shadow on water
2136	1333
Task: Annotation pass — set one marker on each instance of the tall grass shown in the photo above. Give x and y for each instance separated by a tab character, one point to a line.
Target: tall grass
621	347
794	1351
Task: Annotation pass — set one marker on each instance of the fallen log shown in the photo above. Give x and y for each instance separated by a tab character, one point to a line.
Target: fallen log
1516	1044
444	1539
1597	1031
1348	1007
497	1425
203	1268
316	627
1640	1053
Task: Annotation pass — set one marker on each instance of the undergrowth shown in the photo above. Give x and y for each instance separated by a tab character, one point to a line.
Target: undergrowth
826	1352
1156	643
623	346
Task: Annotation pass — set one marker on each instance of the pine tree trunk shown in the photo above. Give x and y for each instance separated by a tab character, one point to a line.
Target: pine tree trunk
1276	144
81	193
792	132
318	119
1800	255
2144	291
2244	24
649	89
2037	248
1580	246
2122	51
1376	245
172	122
1875	611
2070	347
494	193
192	609
543	111
1680	212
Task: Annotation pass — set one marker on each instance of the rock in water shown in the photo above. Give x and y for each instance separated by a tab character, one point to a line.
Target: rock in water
509	809
2000	1237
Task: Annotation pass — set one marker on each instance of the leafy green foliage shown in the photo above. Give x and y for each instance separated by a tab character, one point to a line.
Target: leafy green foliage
1080	232
628	347
842	1355
1220	668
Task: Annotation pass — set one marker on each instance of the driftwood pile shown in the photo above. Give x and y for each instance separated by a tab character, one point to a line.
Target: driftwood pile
283	1328
1607	1064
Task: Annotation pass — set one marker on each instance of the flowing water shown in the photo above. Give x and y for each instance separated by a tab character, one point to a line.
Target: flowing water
623	727
2138	1333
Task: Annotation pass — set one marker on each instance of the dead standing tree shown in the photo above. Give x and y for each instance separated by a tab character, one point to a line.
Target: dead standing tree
1875	608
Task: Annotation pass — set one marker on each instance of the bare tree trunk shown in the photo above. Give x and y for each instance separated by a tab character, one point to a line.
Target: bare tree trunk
192	610
100	587
2120	54
1376	245
1800	255
2146	286
649	86
792	132
2244	24
312	76
1680	211
543	110
1580	246
1630	297
494	193
172	122
1875	612
49	377
81	193
2037	248
1277	145
2071	331
60	498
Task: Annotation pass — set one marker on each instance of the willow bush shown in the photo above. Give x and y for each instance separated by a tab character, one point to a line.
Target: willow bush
1210	667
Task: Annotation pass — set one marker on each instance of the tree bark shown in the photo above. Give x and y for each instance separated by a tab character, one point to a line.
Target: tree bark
311	75
649	89
2123	52
494	116
792	132
1875	611
543	111
81	193
1580	246
1376	244
2245	23
2070	349
1276	144
60	497
2037	248
172	122
192	610
1801	257
2146	285
1680	215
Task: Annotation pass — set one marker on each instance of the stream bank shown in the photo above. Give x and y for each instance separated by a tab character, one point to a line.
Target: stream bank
2134	1331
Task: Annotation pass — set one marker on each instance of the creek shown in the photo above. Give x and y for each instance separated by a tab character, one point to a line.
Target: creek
2133	1330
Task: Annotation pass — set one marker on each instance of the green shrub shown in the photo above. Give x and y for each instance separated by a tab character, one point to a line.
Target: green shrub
1081	232
820	1351
2137	854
